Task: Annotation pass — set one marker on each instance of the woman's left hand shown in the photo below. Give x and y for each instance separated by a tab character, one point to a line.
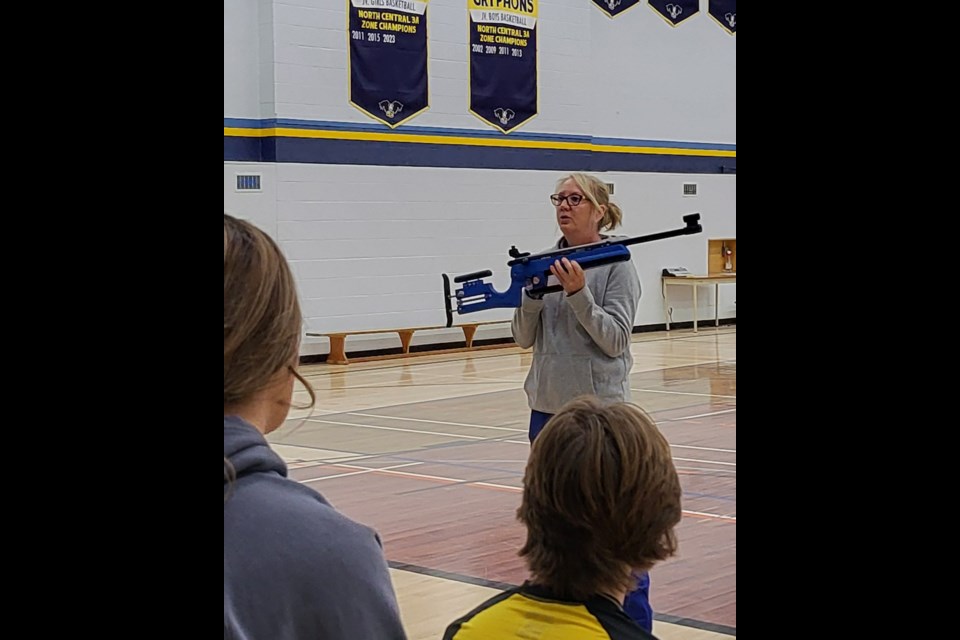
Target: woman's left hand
570	275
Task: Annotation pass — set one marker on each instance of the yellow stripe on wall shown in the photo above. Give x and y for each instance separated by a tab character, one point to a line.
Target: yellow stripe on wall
469	141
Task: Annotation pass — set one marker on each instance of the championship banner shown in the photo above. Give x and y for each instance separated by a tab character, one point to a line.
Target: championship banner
675	11
388	58
503	61
613	8
725	13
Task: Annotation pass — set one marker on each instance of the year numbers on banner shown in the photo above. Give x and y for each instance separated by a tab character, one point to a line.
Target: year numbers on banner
479	48
388	38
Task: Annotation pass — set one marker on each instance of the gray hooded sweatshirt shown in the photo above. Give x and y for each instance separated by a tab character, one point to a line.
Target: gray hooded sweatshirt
581	343
294	568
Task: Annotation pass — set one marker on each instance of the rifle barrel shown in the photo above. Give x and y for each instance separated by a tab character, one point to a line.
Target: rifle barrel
657	236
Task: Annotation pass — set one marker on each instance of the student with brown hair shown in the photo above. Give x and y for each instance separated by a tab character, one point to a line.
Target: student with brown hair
293	567
601	498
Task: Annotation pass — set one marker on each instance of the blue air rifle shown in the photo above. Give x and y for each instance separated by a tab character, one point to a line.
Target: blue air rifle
532	272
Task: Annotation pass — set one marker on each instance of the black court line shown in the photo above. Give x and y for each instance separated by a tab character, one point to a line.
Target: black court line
696	624
503	586
457	577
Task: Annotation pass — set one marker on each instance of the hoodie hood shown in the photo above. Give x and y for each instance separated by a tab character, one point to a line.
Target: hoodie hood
247	449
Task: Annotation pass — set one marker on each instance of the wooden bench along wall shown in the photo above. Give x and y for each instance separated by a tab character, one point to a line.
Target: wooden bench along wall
338	339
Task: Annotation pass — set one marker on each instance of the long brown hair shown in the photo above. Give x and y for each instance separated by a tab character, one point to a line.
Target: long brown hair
262	322
601	497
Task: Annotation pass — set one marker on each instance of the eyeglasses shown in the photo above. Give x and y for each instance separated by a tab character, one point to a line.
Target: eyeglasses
573	199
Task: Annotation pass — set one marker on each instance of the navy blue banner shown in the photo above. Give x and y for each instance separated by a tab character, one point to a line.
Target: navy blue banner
503	62
675	11
388	58
613	8
725	13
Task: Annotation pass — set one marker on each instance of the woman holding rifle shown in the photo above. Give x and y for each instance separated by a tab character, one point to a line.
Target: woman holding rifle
581	338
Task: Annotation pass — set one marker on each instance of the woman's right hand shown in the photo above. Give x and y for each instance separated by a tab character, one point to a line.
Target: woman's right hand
569	274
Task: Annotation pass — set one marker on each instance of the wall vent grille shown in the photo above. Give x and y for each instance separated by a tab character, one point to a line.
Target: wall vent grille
248	182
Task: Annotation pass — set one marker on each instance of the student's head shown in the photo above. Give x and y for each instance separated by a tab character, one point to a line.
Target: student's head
593	212
261	324
601	498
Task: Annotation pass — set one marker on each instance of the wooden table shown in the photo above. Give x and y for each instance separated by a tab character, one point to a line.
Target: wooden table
695	282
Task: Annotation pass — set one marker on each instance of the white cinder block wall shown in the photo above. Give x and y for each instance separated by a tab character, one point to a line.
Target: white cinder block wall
368	244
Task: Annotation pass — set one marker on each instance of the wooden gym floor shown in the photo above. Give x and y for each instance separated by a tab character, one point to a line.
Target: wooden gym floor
430	451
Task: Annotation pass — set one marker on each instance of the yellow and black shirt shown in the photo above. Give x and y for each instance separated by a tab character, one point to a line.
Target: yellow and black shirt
531	612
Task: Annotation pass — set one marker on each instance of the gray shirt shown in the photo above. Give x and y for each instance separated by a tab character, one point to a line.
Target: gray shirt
581	343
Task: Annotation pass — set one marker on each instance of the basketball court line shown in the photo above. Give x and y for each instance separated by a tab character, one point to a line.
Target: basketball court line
446	480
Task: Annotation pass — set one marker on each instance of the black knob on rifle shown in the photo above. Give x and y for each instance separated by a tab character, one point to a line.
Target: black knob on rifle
693	223
473	276
516	253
